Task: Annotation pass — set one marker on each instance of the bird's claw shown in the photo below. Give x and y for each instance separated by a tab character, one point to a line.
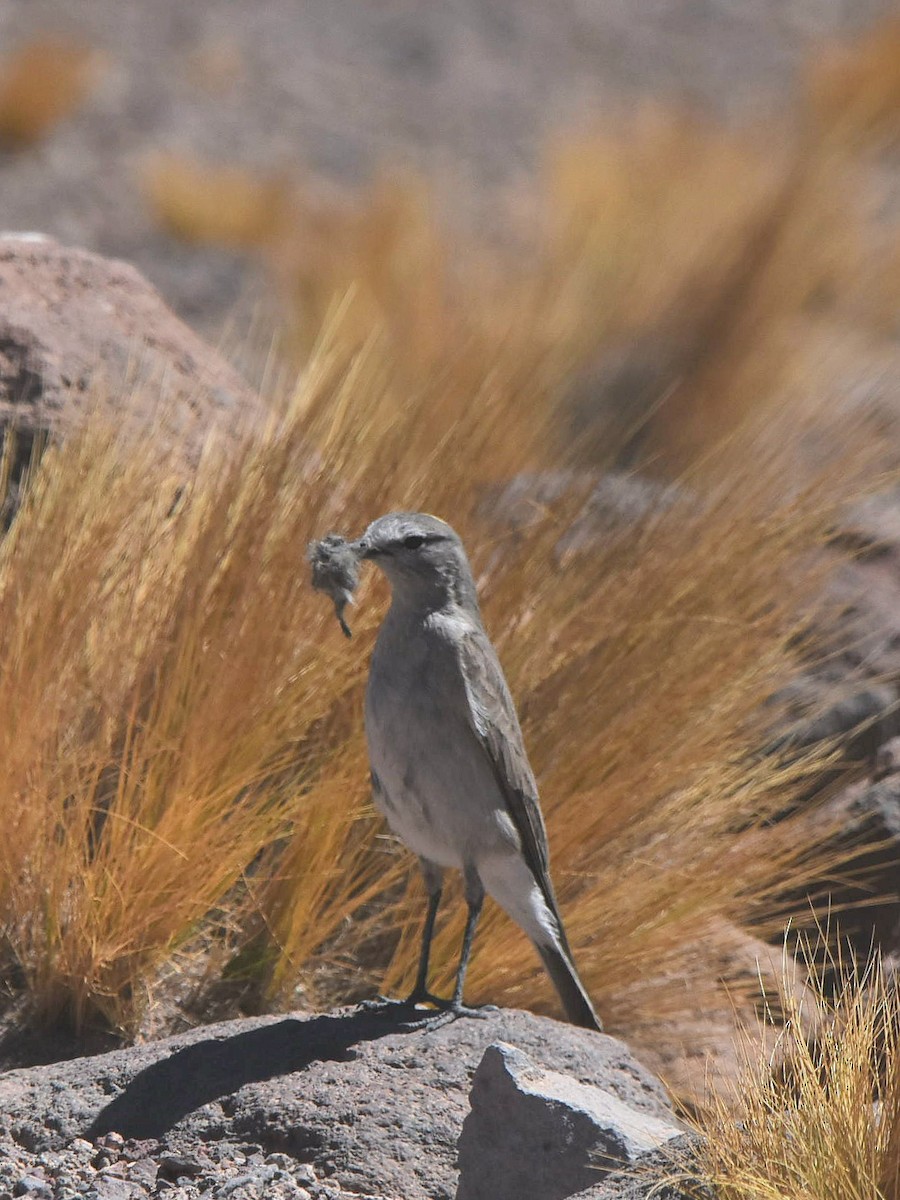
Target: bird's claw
394	1004
450	1011
380	1003
447	1010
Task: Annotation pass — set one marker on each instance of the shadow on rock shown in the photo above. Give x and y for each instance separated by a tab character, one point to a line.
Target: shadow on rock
158	1097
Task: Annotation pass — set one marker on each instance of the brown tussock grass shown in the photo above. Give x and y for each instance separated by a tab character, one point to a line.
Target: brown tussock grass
41	84
184	716
182	726
159	695
818	1115
224	205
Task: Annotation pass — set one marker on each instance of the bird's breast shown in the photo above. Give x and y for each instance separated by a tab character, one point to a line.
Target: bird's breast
436	786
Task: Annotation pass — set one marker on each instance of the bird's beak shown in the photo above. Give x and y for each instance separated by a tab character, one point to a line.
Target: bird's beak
364	550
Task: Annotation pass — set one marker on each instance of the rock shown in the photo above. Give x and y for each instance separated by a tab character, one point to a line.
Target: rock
77	329
860	623
34	1187
821	705
68	317
661	1175
850	694
866	899
602	504
887	759
110	1187
374	1106
619	501
541	1134
612	499
179	1166
144	1171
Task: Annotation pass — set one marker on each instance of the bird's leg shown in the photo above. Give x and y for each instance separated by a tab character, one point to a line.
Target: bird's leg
475	901
434	878
455	1007
420	991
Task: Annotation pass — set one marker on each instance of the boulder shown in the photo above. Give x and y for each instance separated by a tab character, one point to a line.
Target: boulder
78	330
542	1134
371	1103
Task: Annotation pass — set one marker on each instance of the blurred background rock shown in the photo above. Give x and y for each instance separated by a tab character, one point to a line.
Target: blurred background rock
467	91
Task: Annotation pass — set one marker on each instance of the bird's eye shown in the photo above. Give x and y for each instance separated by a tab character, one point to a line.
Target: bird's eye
414	541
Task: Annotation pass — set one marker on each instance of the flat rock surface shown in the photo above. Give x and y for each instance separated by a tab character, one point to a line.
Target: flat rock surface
373	1106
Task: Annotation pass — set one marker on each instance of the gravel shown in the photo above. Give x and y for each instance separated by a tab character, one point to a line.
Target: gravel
115	1168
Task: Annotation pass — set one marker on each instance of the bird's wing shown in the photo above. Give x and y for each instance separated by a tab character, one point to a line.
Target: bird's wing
492	715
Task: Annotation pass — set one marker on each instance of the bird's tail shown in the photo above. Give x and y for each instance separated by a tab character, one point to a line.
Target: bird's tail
575	1000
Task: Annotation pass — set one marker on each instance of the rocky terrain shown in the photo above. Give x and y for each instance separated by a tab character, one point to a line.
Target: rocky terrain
351	1103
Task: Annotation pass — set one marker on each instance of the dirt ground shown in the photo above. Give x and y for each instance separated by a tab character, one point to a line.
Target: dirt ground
467	90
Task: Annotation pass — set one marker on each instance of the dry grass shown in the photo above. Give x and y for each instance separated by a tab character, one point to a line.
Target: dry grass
40	85
182	760
671	277
158	660
182	739
819	1118
227	205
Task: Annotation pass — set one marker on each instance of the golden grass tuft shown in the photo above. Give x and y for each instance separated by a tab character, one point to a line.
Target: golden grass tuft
41	84
224	205
819	1116
182	759
158	653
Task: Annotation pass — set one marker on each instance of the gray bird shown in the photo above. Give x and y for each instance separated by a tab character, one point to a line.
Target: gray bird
449	768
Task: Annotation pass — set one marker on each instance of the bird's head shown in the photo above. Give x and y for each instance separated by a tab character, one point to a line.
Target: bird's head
423	558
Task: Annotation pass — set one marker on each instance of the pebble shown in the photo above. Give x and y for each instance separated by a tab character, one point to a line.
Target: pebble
253	1179
179	1166
34	1187
143	1171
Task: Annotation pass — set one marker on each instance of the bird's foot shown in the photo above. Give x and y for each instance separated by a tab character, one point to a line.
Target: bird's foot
393	1004
451	1010
381	1004
447	1010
